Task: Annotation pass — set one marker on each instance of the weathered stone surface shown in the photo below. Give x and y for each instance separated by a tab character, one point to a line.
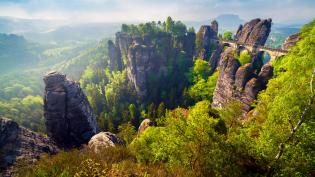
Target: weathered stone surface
254	32
19	143
239	83
215	58
215	27
68	116
115	61
148	56
291	41
139	65
104	140
123	41
186	43
144	125
209	39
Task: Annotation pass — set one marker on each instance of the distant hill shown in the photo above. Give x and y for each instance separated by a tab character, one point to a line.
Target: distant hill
57	32
75	33
16	52
279	34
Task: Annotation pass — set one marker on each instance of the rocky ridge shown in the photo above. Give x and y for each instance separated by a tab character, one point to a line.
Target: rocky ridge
19	143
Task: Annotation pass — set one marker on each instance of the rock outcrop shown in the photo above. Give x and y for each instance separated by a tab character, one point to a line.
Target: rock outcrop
104	140
148	56
19	143
215	58
139	66
239	83
186	43
291	41
208	39
146	123
115	61
254	32
68	116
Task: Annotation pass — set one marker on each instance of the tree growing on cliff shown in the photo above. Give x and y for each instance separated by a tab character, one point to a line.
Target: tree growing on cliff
227	35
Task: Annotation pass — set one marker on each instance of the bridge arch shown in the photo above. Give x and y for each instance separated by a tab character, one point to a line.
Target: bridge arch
265	56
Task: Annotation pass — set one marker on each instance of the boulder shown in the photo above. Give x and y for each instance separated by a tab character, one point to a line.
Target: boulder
291	41
144	125
254	32
68	115
104	140
19	143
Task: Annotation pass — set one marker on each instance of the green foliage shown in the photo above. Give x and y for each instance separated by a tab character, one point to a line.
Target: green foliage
27	111
127	132
201	70
227	35
193	140
203	89
245	57
176	28
281	106
118	161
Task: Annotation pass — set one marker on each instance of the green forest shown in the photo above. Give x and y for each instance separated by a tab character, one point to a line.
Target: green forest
192	138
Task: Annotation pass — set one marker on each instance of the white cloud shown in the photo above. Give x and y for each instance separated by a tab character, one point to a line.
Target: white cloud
15	12
146	10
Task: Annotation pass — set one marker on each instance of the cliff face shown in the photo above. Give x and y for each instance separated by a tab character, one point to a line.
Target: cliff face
238	82
254	32
68	116
115	60
208	35
148	56
18	143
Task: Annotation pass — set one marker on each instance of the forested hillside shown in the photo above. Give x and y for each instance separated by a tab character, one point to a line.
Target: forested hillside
172	78
21	84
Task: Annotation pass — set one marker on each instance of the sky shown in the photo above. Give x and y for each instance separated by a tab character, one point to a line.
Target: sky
147	10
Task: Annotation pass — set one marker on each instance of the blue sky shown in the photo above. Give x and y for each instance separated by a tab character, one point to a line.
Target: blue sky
145	10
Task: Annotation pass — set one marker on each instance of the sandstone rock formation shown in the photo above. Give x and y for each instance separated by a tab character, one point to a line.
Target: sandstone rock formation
104	140
291	41
68	116
139	65
254	32
148	56
186	43
215	58
115	61
144	125
239	83
208	38
19	143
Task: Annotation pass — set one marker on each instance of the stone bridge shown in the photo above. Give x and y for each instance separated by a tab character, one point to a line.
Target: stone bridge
274	53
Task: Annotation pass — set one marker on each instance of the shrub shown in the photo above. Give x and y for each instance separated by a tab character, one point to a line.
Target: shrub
245	57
